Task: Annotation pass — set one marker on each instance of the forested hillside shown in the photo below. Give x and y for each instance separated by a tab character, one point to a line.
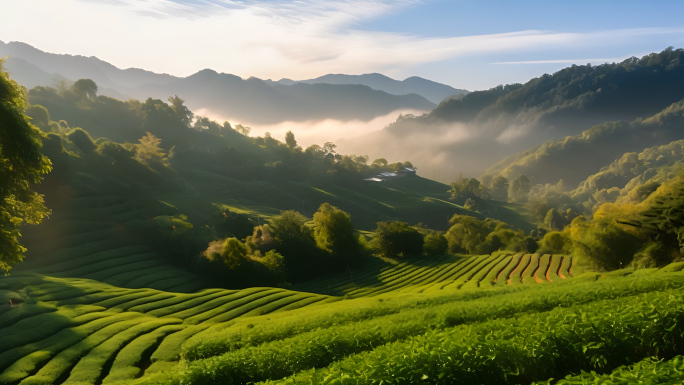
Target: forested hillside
211	198
470	134
432	91
574	158
572	99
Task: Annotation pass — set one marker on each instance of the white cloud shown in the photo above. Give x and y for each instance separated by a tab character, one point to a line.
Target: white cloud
274	39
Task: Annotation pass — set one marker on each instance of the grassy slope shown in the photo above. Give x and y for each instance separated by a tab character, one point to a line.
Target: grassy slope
91	331
99	305
411	199
113	328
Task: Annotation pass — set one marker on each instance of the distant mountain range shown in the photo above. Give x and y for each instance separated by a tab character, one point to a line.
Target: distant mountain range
432	91
254	101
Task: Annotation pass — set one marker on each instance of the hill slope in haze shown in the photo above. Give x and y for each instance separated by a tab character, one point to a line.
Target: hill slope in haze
468	135
574	158
432	91
258	102
252	100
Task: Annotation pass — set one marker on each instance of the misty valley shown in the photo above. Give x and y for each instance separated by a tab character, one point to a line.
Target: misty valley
161	229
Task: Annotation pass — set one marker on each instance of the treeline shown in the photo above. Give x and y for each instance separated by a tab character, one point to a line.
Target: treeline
641	226
645	234
143	149
292	247
289	247
165	135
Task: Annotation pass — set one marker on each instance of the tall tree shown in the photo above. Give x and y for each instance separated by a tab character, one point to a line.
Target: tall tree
182	112
520	189
85	88
21	164
334	232
500	188
394	239
290	140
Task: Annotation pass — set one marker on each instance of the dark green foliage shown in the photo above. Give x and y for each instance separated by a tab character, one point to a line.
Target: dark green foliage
162	121
334	232
499	189
233	263
397	239
585	156
468	188
115	151
519	189
40	117
470	235
553	220
82	140
291	231
295	241
605	243
182	112
290	140
21	164
85	89
593	92
435	244
235	224
53	148
471	204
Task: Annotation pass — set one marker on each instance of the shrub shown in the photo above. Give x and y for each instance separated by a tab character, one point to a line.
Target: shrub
471	204
397	239
82	140
334	232
435	244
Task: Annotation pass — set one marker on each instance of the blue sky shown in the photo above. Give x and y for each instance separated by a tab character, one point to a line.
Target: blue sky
467	44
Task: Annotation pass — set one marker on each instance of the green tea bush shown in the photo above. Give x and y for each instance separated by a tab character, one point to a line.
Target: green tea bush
648	371
290	346
597	336
82	140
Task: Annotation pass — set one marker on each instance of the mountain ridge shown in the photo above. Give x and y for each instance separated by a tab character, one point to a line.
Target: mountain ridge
250	101
433	91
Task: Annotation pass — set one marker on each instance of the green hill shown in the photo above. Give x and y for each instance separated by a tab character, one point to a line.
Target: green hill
574	98
575	158
471	134
632	177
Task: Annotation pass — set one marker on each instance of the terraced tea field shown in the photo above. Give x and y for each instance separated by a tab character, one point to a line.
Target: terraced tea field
78	330
464	272
81	331
92	238
93	305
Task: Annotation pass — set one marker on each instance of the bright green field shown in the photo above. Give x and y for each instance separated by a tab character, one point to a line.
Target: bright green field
94	305
409	319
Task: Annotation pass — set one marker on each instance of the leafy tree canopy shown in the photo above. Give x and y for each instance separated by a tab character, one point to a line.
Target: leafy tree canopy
21	164
334	232
397	239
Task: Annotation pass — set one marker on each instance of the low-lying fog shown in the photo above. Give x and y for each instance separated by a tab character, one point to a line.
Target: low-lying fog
439	152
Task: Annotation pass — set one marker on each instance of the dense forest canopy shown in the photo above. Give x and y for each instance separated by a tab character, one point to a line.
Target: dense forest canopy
574	158
470	134
578	96
21	165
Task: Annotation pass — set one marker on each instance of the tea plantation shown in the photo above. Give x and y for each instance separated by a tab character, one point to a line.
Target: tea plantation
98	307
